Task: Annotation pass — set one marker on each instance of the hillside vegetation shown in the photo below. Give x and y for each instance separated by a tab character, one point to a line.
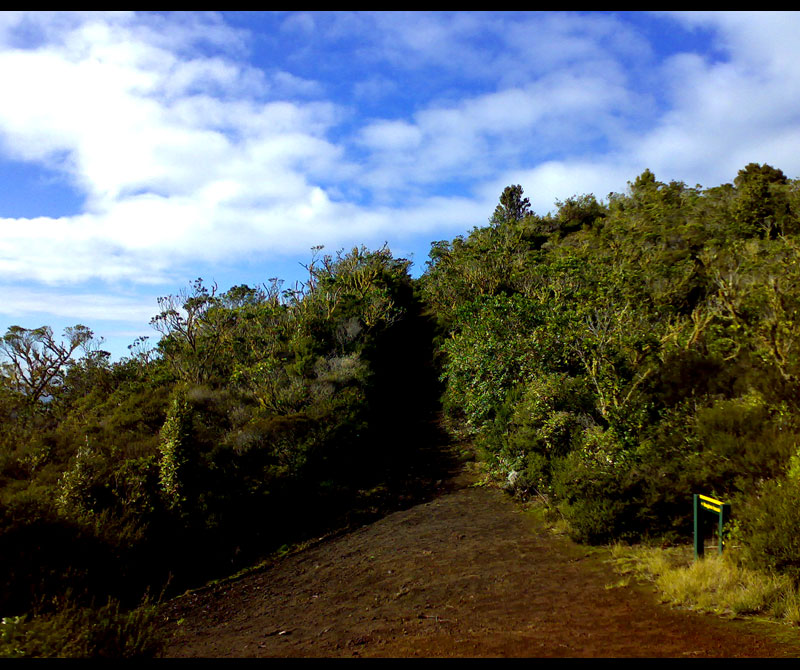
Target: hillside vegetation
610	358
615	358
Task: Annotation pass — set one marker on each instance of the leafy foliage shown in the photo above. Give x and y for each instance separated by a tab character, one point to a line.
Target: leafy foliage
252	422
617	357
610	358
512	207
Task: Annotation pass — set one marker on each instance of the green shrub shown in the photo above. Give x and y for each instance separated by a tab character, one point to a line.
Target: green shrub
553	411
537	424
595	520
595	489
534	477
43	552
174	447
493	348
76	496
72	631
743	440
767	526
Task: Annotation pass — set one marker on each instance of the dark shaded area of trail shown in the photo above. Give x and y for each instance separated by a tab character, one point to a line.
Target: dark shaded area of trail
466	574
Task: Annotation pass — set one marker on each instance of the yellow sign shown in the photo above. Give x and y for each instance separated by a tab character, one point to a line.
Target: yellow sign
710	504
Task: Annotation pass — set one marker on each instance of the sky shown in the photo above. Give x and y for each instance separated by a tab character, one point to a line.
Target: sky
140	151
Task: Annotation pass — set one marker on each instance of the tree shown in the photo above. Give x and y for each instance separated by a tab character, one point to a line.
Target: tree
36	360
755	172
644	182
757	211
577	212
512	207
190	339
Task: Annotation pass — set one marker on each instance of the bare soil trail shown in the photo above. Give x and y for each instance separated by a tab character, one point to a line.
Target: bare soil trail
466	574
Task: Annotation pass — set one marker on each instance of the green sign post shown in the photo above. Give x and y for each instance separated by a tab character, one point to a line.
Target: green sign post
703	506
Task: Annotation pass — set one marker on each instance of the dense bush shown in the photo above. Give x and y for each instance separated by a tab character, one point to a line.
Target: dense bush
766	526
613	358
253	422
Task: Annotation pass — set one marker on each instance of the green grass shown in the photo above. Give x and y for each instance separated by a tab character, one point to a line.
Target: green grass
71	631
714	584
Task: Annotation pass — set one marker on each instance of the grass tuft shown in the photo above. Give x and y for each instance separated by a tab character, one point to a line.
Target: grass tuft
715	584
72	631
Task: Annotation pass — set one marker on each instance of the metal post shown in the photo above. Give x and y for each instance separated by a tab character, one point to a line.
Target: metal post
698	529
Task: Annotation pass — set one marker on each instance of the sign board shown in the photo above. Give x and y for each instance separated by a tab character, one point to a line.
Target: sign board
703	506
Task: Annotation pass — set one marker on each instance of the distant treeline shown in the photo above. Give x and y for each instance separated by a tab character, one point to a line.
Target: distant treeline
609	359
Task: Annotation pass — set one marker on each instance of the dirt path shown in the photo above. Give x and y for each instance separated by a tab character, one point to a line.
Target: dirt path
466	574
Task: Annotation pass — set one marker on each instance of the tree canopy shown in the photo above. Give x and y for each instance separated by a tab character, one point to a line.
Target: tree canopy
609	358
512	206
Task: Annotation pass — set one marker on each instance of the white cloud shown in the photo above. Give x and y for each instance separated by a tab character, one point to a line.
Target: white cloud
190	154
77	307
764	41
172	173
558	180
729	110
384	136
483	134
165	169
737	104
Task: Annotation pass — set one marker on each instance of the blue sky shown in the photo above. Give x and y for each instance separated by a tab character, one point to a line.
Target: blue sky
139	151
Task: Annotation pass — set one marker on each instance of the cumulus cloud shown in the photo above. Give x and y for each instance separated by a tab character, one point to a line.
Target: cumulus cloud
484	133
185	151
165	162
735	101
76	307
